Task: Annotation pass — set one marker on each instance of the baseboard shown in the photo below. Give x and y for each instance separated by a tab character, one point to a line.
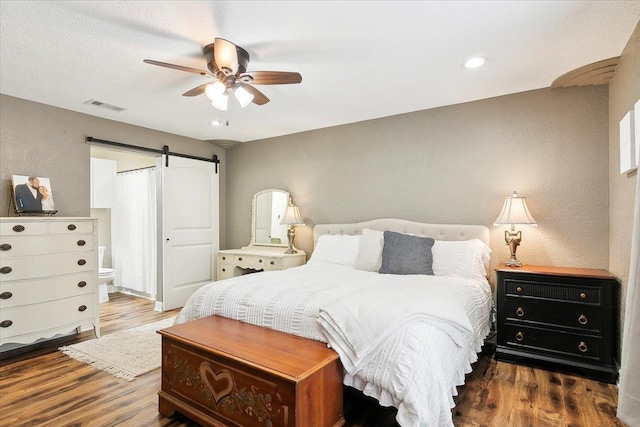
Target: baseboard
158	306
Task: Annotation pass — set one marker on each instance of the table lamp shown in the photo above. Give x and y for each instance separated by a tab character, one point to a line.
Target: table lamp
291	218
514	212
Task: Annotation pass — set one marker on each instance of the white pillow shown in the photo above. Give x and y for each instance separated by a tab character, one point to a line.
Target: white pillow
460	258
336	249
370	253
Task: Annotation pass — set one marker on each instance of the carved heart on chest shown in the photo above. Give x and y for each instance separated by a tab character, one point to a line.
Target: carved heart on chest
219	383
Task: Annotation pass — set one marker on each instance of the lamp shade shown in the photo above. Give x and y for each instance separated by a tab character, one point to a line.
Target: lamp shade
292	216
515	211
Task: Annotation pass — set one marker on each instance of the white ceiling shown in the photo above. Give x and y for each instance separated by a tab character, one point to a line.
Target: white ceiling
359	60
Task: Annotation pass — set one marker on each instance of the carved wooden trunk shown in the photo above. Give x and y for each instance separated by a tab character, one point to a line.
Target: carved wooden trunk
223	372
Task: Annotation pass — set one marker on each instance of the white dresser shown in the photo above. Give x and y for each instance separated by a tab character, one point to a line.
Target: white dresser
251	259
48	277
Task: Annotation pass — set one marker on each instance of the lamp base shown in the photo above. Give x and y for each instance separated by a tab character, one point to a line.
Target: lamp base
290	235
513	263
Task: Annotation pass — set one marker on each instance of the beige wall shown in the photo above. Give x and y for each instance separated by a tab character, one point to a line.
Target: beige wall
624	91
48	141
452	164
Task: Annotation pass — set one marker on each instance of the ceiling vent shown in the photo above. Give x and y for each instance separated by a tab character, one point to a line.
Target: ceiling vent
105	105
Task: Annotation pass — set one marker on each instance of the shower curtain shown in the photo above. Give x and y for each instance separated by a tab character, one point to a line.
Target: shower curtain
135	233
629	385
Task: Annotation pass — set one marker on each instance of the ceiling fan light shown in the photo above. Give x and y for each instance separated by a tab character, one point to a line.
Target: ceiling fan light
221	102
243	96
475	62
214	90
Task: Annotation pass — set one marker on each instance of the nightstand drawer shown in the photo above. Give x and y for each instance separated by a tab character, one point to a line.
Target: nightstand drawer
538	339
553	314
553	291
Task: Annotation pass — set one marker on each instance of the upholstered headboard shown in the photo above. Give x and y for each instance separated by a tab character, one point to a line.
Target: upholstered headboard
436	231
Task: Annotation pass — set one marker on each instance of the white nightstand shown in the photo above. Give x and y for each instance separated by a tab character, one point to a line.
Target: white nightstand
236	262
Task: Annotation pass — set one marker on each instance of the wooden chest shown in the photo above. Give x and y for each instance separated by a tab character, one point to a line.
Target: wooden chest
223	372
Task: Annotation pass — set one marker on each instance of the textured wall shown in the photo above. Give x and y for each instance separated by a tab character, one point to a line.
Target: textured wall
624	91
48	141
452	165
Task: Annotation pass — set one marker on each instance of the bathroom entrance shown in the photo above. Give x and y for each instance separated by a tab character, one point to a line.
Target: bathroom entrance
124	200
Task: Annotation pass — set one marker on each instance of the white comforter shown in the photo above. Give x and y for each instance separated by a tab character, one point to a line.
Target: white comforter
424	331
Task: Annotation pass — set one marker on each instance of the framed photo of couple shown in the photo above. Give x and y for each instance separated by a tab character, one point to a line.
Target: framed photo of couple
33	195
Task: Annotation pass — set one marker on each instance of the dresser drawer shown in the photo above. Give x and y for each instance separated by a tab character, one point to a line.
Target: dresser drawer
256	262
550	341
553	291
46	265
24	292
71	227
11	246
554	314
225	271
274	264
23	228
49	315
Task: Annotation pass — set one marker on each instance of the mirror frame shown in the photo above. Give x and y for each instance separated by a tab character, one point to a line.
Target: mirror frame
253	218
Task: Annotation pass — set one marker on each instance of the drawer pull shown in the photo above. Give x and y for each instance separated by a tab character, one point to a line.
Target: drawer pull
82	284
6	270
71	227
240	259
260	260
519	289
583	295
5	247
224	258
583	347
519	336
519	311
272	263
81	243
6	295
582	319
18	228
82	307
6	323
224	270
82	262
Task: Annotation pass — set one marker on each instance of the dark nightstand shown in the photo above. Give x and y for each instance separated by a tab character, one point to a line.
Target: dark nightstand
566	316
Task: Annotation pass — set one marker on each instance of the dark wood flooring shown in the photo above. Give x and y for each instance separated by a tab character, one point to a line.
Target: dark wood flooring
46	388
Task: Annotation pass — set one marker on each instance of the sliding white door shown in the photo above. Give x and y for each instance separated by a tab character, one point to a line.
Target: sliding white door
190	235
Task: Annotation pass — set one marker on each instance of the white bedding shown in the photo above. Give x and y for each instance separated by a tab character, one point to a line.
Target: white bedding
415	365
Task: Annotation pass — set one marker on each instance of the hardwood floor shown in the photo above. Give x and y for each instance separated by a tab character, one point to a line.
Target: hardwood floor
47	388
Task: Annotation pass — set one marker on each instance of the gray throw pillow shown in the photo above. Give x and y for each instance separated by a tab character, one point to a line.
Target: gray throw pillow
405	254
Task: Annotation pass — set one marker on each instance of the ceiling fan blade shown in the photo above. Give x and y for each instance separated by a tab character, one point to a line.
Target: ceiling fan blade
226	55
197	90
178	67
273	77
259	98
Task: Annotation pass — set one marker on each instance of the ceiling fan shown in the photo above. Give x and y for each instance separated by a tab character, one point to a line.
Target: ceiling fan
227	64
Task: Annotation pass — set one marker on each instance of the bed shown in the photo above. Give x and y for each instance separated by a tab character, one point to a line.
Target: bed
406	335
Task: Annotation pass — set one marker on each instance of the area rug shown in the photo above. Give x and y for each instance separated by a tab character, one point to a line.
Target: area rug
124	354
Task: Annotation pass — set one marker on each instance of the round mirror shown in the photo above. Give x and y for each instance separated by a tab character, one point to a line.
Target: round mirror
268	208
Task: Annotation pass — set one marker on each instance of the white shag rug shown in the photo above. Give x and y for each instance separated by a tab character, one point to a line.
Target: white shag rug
124	354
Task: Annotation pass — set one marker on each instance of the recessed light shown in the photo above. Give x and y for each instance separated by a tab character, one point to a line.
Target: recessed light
219	123
475	62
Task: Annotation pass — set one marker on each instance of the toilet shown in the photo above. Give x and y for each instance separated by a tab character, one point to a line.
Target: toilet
105	275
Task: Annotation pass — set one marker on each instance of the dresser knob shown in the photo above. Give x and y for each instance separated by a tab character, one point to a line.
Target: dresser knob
583	295
6	323
582	319
82	262
224	269
519	336
82	307
71	227
240	259
6	295
519	289
583	347
5	247
259	260
520	311
6	270
224	258
18	228
272	263
82	284
81	243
